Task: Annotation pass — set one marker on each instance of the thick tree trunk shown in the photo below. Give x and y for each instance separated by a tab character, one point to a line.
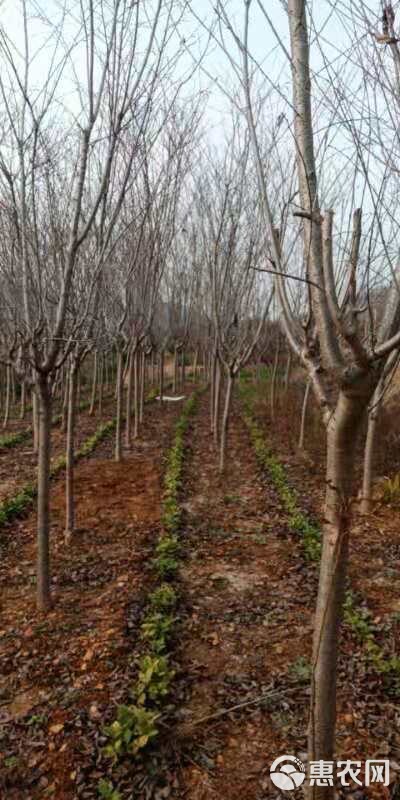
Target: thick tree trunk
94	385
8	397
70	454
43	496
304	415
341	444
225	421
119	390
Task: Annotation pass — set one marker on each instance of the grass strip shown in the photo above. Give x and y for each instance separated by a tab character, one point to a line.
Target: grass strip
355	614
135	725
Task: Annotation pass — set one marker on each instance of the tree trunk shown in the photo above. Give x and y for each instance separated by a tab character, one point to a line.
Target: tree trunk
373	416
136	393
142	385
94	385
119	390
225	421
175	377
70	454
101	384
8	397
64	412
195	362
288	371
183	370
217	394
161	376
342	436
273	379
213	374
35	420
43	496
304	415
23	400
128	417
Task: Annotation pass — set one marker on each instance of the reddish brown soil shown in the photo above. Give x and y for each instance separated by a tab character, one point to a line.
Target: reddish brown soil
18	464
248	632
64	672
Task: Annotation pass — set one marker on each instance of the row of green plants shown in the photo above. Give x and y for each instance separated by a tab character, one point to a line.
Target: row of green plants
15	506
356	616
11	440
136	723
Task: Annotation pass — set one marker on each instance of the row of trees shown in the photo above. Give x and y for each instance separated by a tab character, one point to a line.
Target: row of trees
114	239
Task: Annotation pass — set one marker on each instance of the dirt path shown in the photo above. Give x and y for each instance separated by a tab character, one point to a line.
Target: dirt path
250	598
248	628
61	672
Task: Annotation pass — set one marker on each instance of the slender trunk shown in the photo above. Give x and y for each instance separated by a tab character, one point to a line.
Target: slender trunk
70	454
23	400
64	412
213	372
373	416
195	362
119	390
136	393
217	393
183	369
142	385
8	397
304	415
13	388
273	379
43	496
175	376
35	420
225	421
288	371
161	376
94	385
101	384
128	416
341	446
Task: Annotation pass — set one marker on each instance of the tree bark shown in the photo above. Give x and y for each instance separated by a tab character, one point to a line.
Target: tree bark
136	393
101	384
64	412
70	455
23	400
8	397
94	385
35	420
217	393
304	415
175	376
161	376
273	379
128	418
43	496
342	435
142	385
225	421
373	416
119	390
